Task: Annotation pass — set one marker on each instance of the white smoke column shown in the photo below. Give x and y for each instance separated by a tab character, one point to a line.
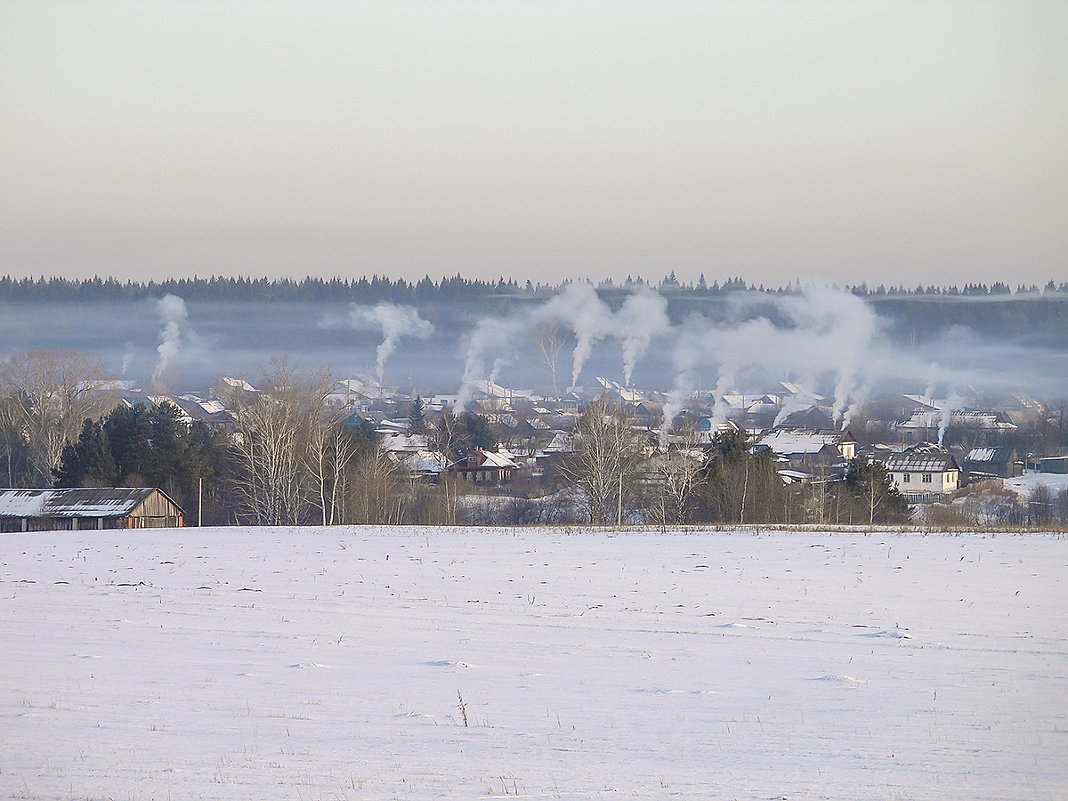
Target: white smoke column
642	317
796	402
860	397
929	389
577	307
727	351
691	348
952	404
489	334
395	322
821	329
172	312
498	364
127	358
843	328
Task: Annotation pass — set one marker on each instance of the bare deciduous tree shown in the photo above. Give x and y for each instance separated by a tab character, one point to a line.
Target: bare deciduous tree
372	491
51	393
549	338
676	473
332	446
278	436
605	462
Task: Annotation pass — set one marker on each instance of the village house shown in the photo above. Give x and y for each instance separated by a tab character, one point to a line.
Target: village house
708	427
923	474
981	463
87	508
809	448
487	467
421	465
761	413
983	426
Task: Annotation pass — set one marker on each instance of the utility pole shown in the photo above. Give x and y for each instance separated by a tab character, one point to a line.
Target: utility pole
200	502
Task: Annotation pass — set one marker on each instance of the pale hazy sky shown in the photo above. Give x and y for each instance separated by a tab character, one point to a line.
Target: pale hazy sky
898	142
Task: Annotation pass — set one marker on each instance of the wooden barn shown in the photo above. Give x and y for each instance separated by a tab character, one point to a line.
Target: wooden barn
89	508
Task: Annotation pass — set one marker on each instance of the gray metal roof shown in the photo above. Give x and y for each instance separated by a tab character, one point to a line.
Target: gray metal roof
79	502
920	463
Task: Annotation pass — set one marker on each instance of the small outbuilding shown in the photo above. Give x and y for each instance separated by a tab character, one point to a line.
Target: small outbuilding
991	463
87	508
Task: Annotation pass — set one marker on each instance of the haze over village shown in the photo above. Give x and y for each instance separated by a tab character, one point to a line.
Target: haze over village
803	384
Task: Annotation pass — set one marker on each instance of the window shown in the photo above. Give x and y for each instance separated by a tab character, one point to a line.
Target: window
904	478
927	478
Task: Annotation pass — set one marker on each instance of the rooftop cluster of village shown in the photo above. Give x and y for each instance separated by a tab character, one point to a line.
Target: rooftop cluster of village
740	406
516	443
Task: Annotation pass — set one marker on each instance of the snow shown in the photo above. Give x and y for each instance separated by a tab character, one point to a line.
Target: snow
1024	485
341	663
23	503
981	455
810	442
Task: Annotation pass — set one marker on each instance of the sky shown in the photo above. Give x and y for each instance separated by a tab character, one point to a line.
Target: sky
898	143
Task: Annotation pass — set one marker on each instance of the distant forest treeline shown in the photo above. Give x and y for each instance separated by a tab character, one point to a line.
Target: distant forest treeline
381	288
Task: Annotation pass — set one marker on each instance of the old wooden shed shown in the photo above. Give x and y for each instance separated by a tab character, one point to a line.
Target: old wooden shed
87	508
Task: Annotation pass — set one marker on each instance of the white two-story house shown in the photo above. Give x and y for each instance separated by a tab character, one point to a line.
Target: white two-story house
924	473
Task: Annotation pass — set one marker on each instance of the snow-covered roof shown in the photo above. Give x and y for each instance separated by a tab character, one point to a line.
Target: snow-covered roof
211	406
762	405
794	476
238	383
797	389
714	426
921	419
628	394
78	502
561	443
498	459
987	454
925	461
923	400
788	441
405	442
425	461
733	399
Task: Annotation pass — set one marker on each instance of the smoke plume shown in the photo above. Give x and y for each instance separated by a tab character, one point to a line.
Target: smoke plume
127	358
173	314
642	317
395	322
577	309
953	403
817	331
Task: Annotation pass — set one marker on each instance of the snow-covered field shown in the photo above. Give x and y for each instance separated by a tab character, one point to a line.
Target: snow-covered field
331	663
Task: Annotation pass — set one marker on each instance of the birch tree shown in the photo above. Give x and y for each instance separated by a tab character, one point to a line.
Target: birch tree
549	338
676	473
332	448
372	490
605	463
277	438
50	394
